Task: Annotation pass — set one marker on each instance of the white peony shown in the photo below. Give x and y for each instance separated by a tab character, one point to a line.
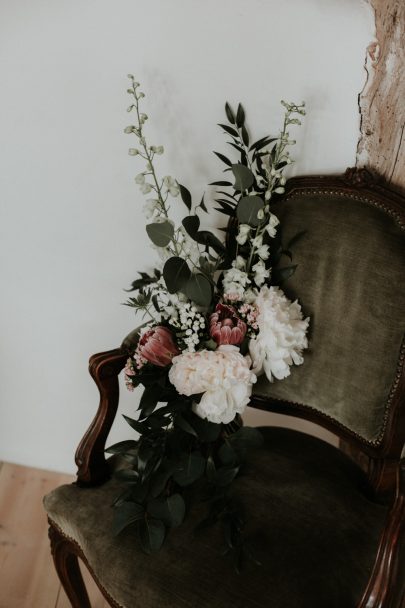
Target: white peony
282	334
223	375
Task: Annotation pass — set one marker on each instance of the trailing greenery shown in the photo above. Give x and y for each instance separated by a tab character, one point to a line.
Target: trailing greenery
181	457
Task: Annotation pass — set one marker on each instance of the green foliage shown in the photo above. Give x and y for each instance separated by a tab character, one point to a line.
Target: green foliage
185	196
229	113
152	534
126	514
179	456
244	178
282	274
160	233
248	208
191	223
141	301
170	510
191	467
145	280
199	289
176	273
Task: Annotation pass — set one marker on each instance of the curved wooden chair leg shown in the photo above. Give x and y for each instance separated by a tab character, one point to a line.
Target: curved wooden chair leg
67	567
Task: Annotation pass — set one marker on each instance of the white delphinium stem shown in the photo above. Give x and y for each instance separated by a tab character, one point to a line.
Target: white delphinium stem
275	182
148	153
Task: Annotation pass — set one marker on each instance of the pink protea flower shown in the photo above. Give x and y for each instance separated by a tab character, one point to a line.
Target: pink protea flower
226	327
157	346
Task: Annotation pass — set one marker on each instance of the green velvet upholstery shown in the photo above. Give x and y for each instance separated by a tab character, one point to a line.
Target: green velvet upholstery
312	526
350	263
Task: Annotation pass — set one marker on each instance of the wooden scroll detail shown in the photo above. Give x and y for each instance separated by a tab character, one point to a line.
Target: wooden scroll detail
65	553
386	582
381	146
92	465
359	177
67	567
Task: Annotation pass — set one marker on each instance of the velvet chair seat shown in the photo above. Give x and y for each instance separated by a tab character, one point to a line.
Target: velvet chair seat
312	525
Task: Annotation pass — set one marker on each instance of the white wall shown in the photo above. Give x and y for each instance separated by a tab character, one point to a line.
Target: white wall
72	232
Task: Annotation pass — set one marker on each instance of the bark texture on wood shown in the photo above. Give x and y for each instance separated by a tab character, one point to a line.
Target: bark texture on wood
382	102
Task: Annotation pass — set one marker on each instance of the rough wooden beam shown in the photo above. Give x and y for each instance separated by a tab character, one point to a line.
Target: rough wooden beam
382	102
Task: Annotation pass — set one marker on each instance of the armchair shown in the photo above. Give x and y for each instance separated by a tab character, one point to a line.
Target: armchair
328	524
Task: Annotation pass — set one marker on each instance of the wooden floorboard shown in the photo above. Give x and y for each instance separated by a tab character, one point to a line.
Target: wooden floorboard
27	575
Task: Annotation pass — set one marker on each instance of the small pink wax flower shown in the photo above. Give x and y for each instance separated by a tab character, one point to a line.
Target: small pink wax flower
157	346
129	372
226	327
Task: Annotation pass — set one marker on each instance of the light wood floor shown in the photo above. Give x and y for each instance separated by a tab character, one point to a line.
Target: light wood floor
27	575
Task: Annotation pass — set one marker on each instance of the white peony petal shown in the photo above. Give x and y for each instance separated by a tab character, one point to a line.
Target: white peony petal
282	334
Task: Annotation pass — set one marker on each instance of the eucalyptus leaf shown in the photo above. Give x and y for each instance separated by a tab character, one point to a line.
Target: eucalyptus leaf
244	178
191	223
176	273
125	514
152	534
198	289
160	233
248	208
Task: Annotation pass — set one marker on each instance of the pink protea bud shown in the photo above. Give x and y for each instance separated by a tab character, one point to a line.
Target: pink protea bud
226	327
157	346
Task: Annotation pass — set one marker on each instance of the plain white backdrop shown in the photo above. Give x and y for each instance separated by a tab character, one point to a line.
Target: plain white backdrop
72	232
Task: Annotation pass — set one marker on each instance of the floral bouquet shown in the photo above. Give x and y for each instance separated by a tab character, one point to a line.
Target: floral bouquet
216	318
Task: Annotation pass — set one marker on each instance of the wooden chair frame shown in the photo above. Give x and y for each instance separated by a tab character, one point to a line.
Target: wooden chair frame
381	461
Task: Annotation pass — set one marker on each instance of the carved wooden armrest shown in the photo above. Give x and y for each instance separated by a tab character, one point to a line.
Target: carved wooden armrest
386	586
90	459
